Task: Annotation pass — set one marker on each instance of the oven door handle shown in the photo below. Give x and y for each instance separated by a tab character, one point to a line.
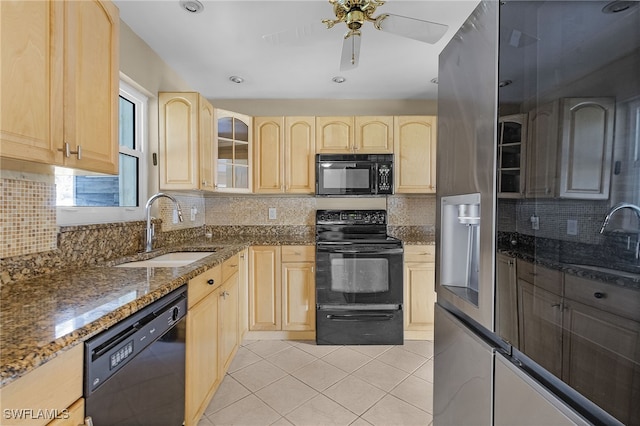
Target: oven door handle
375	251
360	317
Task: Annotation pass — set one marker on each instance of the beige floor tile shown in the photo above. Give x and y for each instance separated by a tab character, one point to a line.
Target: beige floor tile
248	411
319	351
402	359
354	394
286	394
291	359
346	359
204	421
371	350
381	375
360	422
244	357
416	392
229	392
393	411
425	372
420	347
282	422
319	375
321	411
266	348
258	375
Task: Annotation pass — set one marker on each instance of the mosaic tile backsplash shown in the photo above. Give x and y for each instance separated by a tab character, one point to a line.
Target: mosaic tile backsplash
27	217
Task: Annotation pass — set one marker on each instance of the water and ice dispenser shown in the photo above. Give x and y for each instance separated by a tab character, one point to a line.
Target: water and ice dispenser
460	243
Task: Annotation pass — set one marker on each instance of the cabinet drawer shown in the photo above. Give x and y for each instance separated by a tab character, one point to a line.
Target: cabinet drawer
611	298
54	385
204	284
298	253
540	276
230	267
421	253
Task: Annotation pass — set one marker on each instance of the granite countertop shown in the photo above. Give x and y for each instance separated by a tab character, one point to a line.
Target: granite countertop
42	316
621	278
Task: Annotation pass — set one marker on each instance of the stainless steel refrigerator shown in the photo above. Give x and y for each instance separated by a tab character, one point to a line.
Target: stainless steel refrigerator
538	225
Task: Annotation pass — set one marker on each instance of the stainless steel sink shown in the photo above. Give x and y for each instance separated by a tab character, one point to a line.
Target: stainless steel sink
169	260
607	270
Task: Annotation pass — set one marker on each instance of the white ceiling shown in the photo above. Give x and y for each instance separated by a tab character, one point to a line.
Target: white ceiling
227	39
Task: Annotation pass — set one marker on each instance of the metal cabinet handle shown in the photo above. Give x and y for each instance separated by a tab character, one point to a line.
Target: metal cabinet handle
599	295
224	294
67	151
88	421
210	281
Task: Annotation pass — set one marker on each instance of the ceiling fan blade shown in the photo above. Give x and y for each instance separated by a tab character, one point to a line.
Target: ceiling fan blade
350	51
417	29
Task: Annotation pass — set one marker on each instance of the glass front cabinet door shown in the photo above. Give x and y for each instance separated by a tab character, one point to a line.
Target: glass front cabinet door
234	151
511	150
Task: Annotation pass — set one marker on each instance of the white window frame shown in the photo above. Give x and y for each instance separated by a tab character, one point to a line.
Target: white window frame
66	215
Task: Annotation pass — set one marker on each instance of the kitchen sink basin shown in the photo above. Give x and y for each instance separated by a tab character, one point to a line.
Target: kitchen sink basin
169	260
607	270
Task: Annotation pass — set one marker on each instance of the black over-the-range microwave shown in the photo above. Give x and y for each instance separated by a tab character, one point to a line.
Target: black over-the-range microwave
354	174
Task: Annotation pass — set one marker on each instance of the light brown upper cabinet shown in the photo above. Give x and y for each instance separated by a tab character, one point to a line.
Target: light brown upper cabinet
284	155
415	154
59	82
587	148
186	141
233	136
570	146
354	135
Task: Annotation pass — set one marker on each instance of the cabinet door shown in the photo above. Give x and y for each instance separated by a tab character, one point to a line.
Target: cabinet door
542	151
415	154
299	155
298	296
268	156
265	288
228	322
334	135
91	84
506	299
31	80
201	357
233	146
243	292
540	318
374	135
602	359
178	135
205	144
75	415
587	148
419	296
512	134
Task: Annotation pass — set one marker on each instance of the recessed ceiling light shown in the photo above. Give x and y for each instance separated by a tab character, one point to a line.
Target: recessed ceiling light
338	79
192	6
236	79
504	83
618	6
434	80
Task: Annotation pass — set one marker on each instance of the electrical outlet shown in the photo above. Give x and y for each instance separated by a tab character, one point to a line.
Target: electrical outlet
272	213
572	227
535	222
194	211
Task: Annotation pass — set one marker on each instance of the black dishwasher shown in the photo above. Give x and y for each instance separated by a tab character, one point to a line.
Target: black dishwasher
134	371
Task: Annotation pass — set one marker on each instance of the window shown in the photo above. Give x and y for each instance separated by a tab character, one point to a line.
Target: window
83	199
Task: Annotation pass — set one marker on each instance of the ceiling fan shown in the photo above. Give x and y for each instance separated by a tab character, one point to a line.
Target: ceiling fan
354	13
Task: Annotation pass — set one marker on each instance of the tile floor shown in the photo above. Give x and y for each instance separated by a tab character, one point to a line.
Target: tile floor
276	382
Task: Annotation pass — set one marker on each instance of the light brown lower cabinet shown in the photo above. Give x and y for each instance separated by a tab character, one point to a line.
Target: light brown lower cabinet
419	291
73	416
56	385
282	288
228	319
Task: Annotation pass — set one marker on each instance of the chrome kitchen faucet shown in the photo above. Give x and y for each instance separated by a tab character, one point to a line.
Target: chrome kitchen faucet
150	227
621	206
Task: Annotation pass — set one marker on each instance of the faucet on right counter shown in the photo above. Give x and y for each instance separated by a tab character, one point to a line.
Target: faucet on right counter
618	207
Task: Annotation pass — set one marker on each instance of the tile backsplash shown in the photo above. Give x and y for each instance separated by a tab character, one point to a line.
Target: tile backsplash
27	217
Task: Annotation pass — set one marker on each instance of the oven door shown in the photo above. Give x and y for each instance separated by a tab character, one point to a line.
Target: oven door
358	274
346	178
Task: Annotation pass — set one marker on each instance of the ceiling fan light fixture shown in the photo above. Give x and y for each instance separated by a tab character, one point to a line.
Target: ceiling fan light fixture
338	79
236	79
192	6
